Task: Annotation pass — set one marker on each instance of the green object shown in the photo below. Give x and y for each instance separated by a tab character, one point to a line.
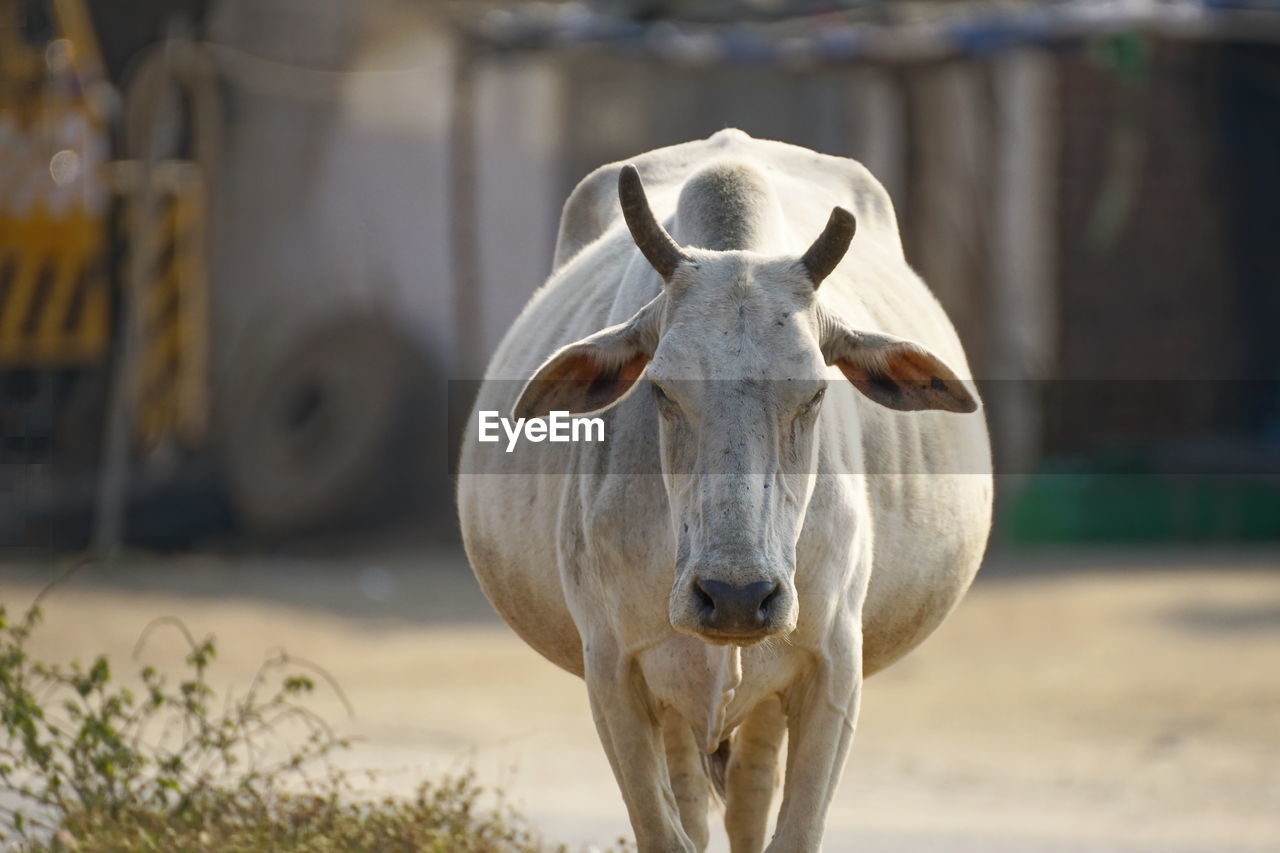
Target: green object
1093	506
1127	54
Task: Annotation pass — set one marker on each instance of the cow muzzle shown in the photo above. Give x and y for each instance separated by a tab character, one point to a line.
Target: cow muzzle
723	612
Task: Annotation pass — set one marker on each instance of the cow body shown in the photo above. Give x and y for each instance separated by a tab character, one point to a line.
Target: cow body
577	545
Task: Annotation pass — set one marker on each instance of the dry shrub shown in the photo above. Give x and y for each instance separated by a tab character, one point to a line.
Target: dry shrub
88	764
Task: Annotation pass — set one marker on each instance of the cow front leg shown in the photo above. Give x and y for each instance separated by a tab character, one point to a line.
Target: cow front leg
689	783
822	712
752	775
632	738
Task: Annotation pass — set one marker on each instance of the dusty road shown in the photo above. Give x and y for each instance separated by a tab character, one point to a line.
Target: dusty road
1075	702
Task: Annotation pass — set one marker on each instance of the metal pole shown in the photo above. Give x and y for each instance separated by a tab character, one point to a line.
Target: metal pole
113	483
468	302
1023	325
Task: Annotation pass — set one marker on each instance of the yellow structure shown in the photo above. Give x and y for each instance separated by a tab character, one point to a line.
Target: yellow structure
54	285
172	322
59	197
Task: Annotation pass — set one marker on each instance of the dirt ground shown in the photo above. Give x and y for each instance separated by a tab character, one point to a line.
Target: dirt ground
1117	701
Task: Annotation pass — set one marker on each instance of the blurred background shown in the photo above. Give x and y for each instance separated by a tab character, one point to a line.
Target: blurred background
248	248
245	244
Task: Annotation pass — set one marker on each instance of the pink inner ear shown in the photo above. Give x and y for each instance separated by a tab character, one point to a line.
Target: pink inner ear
584	382
901	377
607	385
631	371
885	364
589	368
577	367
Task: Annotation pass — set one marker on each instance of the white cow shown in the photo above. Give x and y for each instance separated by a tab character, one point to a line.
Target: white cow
793	493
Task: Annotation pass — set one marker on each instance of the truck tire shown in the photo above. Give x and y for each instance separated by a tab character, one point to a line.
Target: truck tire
319	434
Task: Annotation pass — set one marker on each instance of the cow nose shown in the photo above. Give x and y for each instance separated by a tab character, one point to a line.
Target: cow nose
735	609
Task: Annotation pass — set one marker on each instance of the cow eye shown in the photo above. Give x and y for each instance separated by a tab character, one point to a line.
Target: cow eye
813	402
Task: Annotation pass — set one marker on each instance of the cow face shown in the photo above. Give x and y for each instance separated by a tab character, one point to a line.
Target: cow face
733	356
738	380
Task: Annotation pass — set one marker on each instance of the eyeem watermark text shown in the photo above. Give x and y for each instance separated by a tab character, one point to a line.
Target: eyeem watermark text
555	427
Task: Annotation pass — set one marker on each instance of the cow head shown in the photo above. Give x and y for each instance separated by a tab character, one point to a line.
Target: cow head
734	353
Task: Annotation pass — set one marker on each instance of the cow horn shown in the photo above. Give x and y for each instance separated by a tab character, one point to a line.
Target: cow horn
831	245
662	252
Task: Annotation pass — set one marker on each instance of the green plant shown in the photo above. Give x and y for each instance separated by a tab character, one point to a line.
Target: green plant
93	765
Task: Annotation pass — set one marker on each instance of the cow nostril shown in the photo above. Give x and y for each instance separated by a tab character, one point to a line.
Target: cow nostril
726	607
770	597
705	602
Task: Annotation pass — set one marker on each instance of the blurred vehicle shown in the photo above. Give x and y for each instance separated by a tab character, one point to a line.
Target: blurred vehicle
72	217
117	414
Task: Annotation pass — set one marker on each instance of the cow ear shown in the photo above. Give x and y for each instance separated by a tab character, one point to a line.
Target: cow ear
897	373
594	373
